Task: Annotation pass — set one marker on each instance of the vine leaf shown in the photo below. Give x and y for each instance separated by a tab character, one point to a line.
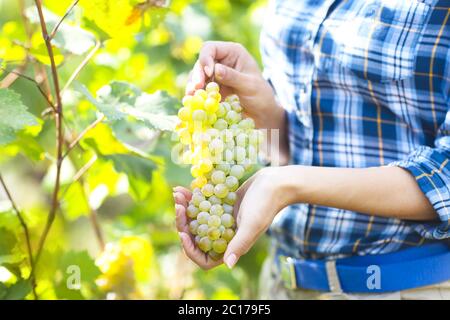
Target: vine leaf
17	291
13	116
123	101
138	171
70	38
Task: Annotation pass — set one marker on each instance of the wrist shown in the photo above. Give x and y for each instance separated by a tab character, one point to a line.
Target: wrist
291	184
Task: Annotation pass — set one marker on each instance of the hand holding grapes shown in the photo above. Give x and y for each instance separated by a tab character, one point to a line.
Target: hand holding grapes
237	73
260	198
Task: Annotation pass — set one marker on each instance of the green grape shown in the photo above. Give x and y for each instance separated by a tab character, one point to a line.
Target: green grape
212	87
216	146
224	167
241	139
221	190
184	114
232	183
232	117
240	154
214	200
208	190
199	115
214	255
197	198
202	230
214	233
229	156
232	98
227	220
205	244
230	198
193	226
252	153
186	102
236	106
213	133
227	135
221	124
192	211
226	106
219	245
203	217
214	221
202	93
227	208
218	177
216	210
237	171
228	234
205	205
222	229
221	111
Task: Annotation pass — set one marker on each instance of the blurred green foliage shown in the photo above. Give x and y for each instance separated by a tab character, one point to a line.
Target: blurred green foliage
116	183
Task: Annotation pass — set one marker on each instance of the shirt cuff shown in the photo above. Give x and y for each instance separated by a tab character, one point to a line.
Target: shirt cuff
431	169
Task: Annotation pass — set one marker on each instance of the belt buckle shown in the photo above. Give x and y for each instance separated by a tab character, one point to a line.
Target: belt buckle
287	269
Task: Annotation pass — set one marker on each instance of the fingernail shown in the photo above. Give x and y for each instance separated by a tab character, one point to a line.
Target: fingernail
207	71
219	72
231	260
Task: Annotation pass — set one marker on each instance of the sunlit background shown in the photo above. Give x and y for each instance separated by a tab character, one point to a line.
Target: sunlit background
122	205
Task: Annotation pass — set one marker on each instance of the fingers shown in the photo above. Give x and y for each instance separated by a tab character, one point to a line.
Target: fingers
240	244
187	194
231	77
181	219
195	254
196	79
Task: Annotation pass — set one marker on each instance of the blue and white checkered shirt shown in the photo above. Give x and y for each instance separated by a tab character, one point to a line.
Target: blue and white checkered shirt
364	83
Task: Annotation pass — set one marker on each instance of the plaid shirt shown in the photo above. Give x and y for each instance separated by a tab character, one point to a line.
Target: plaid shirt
364	83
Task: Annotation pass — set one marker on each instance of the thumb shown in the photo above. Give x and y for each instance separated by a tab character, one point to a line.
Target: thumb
230	77
239	245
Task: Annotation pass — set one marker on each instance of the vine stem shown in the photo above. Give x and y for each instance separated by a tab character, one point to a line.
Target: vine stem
59	136
75	142
55	29
25	231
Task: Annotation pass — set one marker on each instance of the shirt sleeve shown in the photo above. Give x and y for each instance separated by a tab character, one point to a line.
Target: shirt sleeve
431	169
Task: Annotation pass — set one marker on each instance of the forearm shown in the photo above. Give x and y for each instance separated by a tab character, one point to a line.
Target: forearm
380	191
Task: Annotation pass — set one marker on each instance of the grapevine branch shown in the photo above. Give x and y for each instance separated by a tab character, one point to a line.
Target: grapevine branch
21	75
55	29
77	140
81	66
24	227
59	134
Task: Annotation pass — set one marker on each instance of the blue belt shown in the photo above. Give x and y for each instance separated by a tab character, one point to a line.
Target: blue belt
406	269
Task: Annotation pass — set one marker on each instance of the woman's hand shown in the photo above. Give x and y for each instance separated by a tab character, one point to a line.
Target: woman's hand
182	197
237	72
260	198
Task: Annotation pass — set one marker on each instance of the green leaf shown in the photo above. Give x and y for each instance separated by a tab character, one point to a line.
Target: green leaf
7	241
138	170
18	290
74	203
82	259
133	166
13	115
122	101
70	38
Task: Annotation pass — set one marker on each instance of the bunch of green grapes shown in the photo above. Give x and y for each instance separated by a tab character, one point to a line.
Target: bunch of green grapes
221	146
